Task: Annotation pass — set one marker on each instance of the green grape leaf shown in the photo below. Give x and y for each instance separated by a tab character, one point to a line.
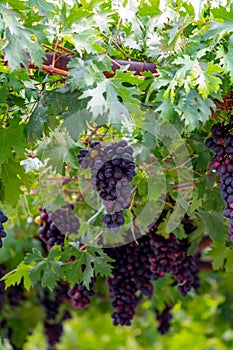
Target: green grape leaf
104	97
218	254
58	102
95	262
58	149
47	271
214	225
194	109
15	276
85	39
207	81
166	110
13	176
229	260
101	262
19	47
226	58
222	13
218	28
12	140
151	8
16	4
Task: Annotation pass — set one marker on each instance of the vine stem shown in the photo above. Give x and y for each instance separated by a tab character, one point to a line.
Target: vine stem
205	243
52	70
204	265
96	214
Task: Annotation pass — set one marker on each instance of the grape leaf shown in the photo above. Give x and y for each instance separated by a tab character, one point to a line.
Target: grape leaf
105	97
15	276
53	103
206	80
217	254
12	139
47	271
180	77
58	149
16	4
73	270
218	28
226	58
166	110
13	176
19	47
194	109
229	260
94	260
222	12
149	9
84	40
101	262
214	225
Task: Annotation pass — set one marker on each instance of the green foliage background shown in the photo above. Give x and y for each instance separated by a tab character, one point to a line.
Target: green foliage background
191	44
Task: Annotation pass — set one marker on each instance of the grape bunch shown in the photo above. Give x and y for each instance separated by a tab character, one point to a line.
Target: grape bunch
3	218
55	225
53	334
53	318
169	255
80	294
137	265
221	143
112	170
164	319
65	219
122	286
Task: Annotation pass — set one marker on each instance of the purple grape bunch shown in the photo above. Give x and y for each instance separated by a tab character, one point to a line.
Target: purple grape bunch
221	143
3	219
137	265
80	294
53	322
164	318
112	170
56	224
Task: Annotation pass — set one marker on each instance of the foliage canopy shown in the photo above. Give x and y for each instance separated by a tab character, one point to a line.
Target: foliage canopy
45	119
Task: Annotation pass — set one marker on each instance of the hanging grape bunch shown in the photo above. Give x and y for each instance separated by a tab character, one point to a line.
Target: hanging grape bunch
53	322
56	224
137	265
112	170
164	319
3	218
221	143
80	294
